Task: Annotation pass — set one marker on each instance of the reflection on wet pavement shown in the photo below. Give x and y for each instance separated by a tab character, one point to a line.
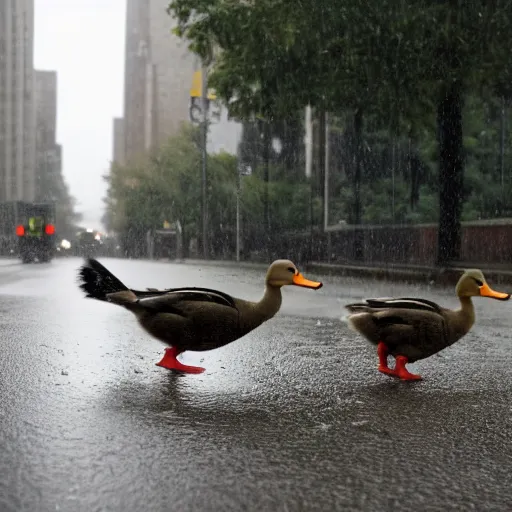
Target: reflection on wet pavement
292	417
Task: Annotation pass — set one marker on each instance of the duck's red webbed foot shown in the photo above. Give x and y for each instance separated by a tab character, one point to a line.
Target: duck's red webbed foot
171	362
382	352
400	370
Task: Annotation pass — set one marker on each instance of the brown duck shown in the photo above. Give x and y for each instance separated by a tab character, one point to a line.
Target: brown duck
410	329
196	319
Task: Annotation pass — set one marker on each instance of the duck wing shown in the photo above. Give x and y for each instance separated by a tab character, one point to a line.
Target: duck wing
407	303
413	332
191	318
181	300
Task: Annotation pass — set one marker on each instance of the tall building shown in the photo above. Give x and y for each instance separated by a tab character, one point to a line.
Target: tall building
46	108
159	69
17	113
136	79
158	74
173	68
48	180
118	138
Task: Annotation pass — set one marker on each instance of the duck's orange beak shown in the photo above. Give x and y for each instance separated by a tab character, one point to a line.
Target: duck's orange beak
487	291
300	280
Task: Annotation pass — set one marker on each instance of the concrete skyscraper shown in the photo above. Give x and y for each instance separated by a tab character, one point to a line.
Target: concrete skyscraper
48	181
159	69
17	112
119	140
158	74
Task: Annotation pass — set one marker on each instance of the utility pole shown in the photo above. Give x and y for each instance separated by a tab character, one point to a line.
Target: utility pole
204	154
201	115
326	174
266	173
502	144
241	170
322	151
238	188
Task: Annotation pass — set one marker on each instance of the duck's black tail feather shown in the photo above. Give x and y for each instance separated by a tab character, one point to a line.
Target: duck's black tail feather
99	283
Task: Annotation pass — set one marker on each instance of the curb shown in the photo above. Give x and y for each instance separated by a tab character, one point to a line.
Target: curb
447	276
224	263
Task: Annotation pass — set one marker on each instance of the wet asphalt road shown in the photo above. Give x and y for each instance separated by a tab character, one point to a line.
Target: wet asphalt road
292	417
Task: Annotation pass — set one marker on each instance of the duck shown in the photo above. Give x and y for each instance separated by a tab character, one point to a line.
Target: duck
192	319
410	329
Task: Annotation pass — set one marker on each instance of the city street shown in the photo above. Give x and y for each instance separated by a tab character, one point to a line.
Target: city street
293	417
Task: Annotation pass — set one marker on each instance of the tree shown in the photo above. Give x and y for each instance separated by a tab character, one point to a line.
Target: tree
272	58
398	61
466	47
166	187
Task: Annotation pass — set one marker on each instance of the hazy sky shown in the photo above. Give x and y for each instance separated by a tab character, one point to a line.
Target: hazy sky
83	40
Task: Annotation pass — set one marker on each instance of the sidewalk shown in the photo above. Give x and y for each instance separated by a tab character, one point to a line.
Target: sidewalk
447	276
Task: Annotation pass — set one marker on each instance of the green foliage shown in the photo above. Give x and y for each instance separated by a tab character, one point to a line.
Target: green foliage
273	57
167	187
396	63
289	204
391	58
483	194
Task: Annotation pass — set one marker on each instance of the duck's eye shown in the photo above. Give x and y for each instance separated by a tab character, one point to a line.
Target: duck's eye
291	269
478	282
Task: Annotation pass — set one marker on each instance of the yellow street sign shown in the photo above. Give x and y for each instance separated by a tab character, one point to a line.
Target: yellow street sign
167	225
195	91
197	87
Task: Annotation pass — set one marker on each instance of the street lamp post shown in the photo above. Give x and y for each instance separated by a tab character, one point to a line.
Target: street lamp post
200	114
238	187
204	155
242	170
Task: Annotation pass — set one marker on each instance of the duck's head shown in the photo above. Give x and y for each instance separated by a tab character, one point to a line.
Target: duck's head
473	284
284	272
